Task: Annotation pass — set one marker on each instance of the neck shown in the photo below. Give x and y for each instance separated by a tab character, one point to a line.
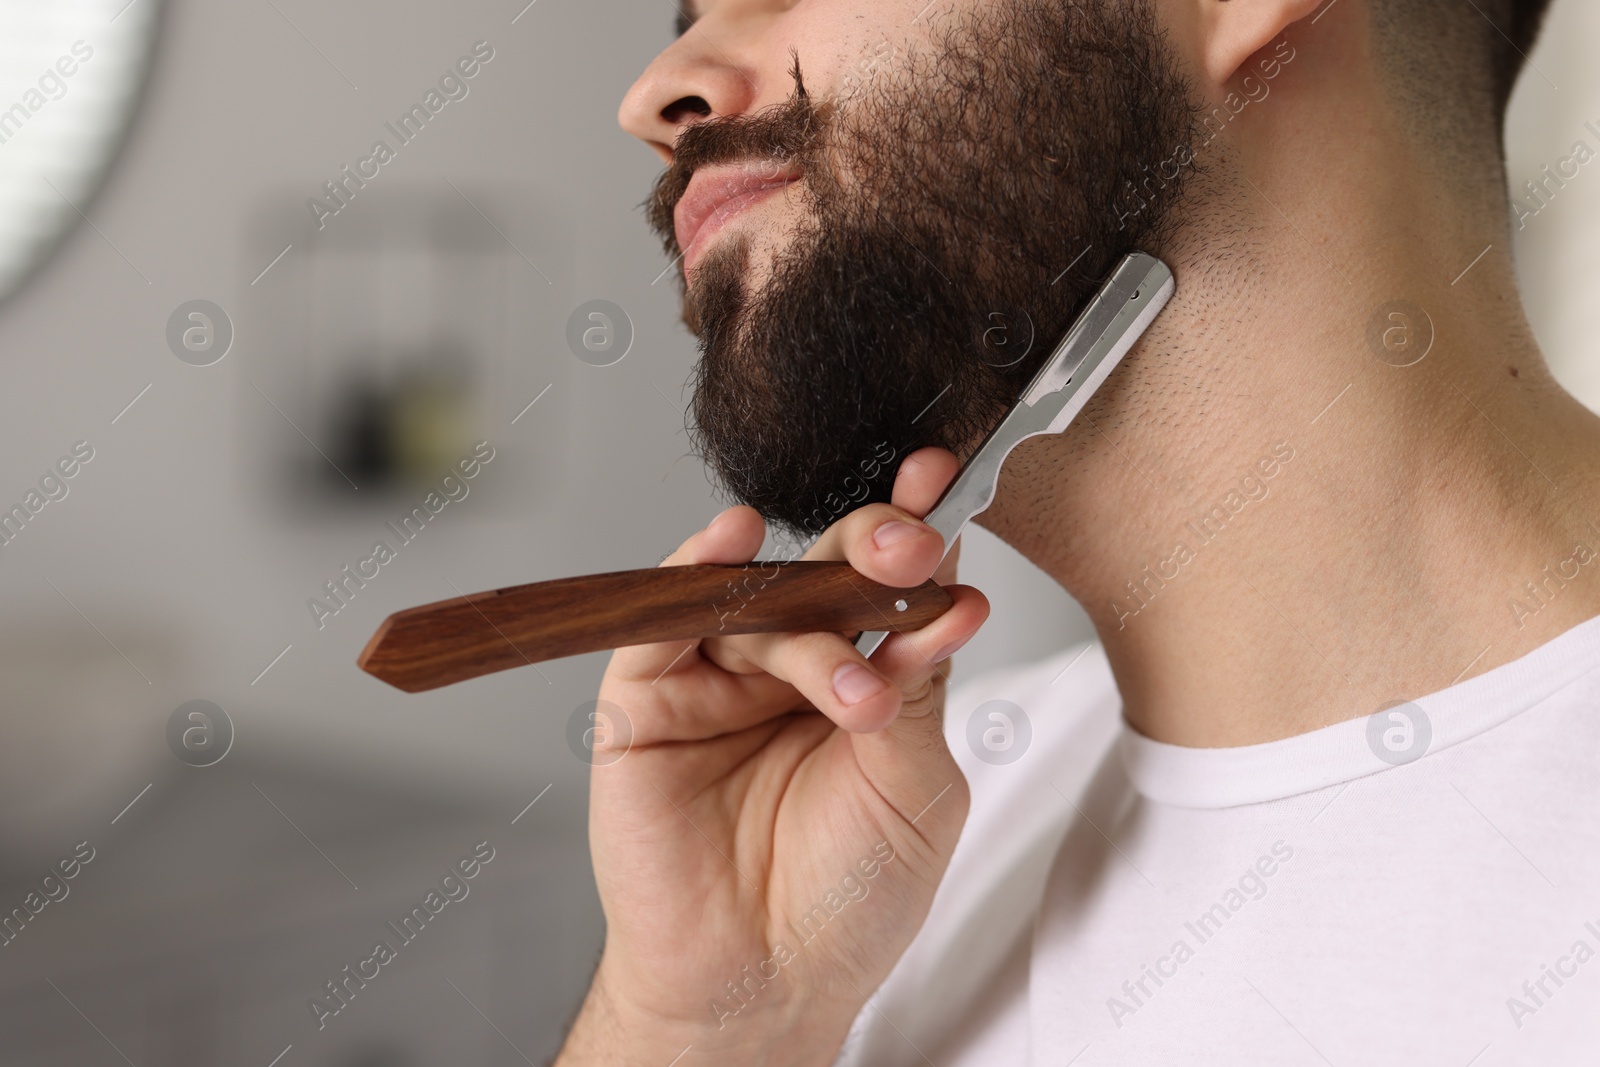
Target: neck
1273	528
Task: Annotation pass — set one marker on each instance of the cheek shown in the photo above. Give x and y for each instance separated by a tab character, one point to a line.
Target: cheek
844	44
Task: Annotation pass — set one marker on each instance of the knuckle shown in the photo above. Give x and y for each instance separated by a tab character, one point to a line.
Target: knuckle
923	696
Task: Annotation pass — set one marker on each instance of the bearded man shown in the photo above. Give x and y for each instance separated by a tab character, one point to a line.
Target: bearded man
1324	788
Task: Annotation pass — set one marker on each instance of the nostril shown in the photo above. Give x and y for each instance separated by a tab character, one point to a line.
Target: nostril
685	106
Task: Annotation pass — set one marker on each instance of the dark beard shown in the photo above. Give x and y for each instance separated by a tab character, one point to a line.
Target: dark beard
962	210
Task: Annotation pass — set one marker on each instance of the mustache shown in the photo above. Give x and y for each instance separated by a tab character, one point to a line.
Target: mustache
787	134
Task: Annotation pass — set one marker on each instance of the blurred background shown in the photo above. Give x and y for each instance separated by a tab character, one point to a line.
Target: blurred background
272	343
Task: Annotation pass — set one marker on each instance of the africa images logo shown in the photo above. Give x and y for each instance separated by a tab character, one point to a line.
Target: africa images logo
1399	733
999	732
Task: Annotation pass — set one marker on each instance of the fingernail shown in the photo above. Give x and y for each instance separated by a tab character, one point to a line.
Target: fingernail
853	683
951	649
892	533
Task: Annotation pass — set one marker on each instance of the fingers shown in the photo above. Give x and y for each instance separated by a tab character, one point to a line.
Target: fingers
911	658
922	479
734	536
824	668
859	695
887	543
890	543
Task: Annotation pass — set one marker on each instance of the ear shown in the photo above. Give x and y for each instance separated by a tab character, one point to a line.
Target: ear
1234	30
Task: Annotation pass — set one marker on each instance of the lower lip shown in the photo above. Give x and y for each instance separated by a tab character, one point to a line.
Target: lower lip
720	218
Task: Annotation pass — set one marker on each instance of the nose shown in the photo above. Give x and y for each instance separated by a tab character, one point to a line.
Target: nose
692	80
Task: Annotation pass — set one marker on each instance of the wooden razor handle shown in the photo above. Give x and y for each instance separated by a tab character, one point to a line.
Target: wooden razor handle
464	637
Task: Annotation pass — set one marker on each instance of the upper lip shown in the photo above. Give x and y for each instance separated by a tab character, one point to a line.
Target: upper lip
712	188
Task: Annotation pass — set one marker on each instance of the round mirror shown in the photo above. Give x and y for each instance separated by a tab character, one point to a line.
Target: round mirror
70	75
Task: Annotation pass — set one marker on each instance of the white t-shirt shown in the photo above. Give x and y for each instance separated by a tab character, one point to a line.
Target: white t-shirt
1417	888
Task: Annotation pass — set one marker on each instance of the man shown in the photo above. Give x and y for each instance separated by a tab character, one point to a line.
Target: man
1324	788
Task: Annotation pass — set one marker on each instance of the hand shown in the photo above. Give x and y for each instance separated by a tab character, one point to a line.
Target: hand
771	839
